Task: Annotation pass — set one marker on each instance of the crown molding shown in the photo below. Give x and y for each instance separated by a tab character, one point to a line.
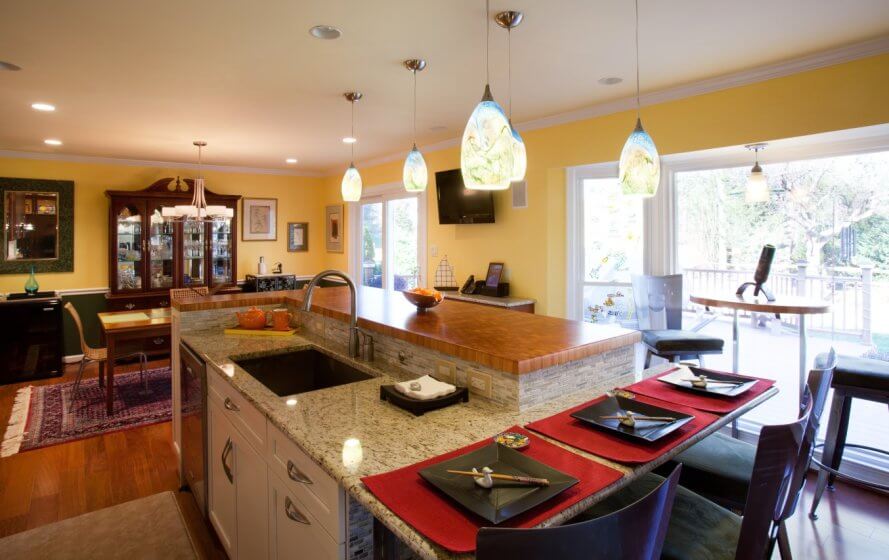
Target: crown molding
151	163
848	53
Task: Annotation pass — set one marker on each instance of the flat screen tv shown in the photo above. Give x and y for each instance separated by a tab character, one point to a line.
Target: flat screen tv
459	205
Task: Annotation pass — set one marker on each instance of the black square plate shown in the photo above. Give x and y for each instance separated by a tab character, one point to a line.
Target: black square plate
676	378
645	431
505	499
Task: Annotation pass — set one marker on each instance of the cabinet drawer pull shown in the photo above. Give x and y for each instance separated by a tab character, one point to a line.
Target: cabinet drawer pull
229	405
225	453
164	303
297	475
130	306
293	513
158	341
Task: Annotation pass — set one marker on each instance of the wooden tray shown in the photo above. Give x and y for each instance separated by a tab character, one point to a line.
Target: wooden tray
268	331
417	407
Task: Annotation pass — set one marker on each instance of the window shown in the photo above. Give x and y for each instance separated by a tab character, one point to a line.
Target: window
388	249
605	245
829	220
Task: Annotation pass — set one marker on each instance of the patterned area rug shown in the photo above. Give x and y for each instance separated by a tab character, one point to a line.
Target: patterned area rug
40	416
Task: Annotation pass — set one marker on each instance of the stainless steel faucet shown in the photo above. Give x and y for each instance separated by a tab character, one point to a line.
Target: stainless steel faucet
353	317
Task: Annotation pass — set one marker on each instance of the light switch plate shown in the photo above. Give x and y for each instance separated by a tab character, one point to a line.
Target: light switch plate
434	250
481	384
445	371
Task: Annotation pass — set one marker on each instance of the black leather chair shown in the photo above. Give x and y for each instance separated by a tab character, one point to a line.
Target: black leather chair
658	301
854	378
635	531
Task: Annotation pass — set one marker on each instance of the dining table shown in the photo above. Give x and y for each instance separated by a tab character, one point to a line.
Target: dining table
121	326
790	305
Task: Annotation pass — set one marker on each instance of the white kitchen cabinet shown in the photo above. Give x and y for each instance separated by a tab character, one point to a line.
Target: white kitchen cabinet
238	490
294	532
222	509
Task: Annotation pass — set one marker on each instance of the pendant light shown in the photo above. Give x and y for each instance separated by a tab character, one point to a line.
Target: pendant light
509	20
486	152
640	166
757	189
198	210
415	175
351	186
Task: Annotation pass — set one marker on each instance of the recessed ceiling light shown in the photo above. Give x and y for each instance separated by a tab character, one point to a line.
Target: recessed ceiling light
325	32
291	402
291	160
349	140
610	80
9	66
52	142
45	107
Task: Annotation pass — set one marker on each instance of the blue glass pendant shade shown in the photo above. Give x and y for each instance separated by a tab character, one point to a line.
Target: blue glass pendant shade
415	175
640	166
486	152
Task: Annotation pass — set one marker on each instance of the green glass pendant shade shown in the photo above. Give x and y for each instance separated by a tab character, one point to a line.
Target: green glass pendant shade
31	285
351	186
486	152
415	175
640	166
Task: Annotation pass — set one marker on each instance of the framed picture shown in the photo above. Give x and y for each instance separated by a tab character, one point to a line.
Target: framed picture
297	236
260	219
334	228
495	271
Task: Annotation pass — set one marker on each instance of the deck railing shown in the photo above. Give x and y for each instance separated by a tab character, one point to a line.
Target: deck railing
851	294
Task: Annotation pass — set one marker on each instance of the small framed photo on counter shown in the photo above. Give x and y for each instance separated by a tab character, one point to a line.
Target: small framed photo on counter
260	219
297	236
334	228
495	273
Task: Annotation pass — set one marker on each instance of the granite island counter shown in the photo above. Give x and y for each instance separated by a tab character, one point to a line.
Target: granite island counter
529	366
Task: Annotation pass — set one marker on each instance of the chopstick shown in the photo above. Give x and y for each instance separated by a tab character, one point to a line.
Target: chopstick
715	381
523	479
640	418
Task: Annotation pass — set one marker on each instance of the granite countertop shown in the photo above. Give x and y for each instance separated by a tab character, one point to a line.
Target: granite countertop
497	338
321	421
508	301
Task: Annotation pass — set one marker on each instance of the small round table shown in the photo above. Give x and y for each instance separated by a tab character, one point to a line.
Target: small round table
782	304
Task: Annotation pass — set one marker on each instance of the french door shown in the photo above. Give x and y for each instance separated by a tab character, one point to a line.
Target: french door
606	246
388	248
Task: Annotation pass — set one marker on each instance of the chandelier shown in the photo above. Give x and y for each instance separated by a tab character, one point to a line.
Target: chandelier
198	210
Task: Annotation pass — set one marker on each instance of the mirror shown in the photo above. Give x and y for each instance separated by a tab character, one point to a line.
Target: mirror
38	225
31	226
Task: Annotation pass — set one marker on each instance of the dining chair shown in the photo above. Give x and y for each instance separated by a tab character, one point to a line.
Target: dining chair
636	531
658	301
720	467
99	355
188	294
699	528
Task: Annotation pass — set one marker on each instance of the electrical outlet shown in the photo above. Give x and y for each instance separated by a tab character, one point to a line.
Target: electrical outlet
480	383
445	371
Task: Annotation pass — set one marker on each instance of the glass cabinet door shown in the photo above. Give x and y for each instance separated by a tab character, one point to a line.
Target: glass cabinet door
161	242
193	256
221	251
128	257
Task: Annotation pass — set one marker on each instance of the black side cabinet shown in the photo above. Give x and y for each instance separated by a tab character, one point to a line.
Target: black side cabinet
269	282
32	344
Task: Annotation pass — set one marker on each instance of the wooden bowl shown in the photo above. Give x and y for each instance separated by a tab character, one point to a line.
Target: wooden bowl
421	301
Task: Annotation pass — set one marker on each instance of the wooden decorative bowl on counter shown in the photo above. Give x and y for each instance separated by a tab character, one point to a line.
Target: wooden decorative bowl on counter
423	298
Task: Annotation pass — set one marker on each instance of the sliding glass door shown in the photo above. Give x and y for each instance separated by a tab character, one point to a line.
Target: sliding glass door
389	250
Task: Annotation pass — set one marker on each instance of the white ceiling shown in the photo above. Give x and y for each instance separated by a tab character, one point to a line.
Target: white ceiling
141	79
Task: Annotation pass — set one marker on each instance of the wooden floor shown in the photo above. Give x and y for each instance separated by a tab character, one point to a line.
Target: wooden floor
61	481
53	483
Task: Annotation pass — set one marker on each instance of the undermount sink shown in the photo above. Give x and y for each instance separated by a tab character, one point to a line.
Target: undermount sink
302	371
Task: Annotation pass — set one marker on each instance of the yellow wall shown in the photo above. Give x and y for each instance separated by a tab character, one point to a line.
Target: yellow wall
531	241
299	200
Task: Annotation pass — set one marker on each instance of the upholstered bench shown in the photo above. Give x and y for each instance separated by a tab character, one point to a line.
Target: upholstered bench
151	527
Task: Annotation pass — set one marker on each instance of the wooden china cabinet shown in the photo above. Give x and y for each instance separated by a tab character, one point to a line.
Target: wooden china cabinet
147	257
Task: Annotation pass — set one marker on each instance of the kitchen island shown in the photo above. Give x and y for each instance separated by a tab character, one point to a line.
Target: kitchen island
341	434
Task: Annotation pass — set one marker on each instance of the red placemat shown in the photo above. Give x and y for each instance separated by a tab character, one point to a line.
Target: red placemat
573	432
652	387
449	525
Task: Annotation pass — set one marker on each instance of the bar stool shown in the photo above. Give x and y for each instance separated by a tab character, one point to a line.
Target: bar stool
854	378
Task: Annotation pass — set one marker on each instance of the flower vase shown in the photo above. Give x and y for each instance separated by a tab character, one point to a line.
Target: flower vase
31	285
